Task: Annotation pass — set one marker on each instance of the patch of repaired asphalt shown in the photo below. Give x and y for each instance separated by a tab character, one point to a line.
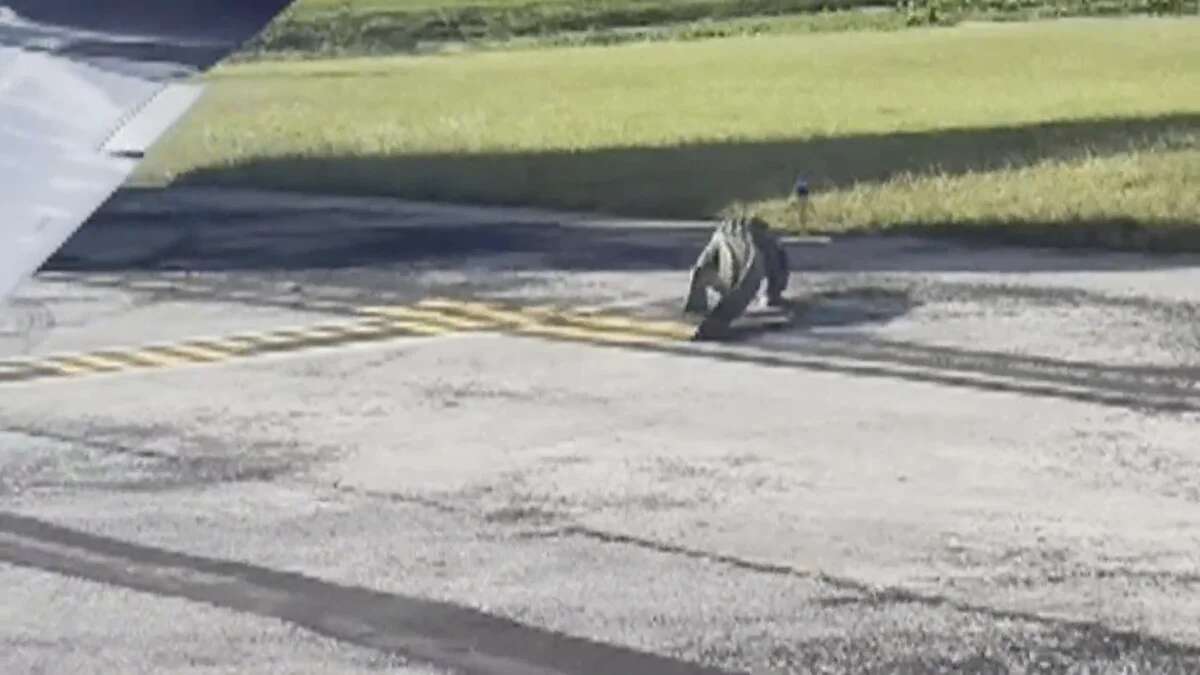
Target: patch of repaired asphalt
121	457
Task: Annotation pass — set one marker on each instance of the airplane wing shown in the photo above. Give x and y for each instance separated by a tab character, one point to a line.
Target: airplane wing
86	87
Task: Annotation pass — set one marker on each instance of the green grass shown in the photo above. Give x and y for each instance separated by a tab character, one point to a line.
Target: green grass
339	27
1074	131
374	27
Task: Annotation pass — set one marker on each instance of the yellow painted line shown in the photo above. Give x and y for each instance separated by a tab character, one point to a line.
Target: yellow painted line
347	332
222	344
285	336
226	348
403	312
540	317
77	364
479	309
666	329
431	317
149	359
420	328
530	325
191	353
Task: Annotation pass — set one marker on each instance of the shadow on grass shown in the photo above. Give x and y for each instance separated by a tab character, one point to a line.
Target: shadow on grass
700	180
219	230
403	28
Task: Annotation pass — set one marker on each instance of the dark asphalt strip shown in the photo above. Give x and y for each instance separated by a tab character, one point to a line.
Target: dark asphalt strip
446	635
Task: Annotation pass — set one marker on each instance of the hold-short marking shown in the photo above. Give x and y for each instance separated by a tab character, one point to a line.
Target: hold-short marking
432	317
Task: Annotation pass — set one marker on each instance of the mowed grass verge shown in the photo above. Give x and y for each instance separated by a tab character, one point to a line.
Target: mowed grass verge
314	28
1082	131
336	27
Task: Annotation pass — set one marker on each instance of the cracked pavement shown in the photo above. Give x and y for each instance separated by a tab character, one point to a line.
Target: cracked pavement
952	458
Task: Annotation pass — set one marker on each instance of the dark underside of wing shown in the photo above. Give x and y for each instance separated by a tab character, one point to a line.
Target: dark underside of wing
86	86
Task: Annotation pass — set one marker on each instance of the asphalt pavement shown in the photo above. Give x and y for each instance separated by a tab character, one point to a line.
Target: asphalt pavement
257	432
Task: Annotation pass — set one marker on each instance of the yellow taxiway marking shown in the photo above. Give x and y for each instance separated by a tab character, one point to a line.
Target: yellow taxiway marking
144	358
187	352
410	313
428	318
574	324
82	363
665	329
549	322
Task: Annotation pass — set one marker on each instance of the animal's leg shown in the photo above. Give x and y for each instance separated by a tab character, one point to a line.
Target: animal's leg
697	297
703	276
735	302
775	262
777	275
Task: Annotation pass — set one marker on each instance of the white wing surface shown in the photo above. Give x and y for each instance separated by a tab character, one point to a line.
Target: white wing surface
85	89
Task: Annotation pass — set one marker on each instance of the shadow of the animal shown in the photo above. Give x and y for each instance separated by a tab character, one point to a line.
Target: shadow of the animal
828	309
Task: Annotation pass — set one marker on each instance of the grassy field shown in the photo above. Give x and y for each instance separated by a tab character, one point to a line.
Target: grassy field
1081	131
374	27
399	26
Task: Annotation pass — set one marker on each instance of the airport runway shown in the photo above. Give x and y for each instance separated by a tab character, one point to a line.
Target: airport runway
262	433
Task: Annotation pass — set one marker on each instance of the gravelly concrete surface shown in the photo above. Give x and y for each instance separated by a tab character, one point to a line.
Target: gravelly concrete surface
956	458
